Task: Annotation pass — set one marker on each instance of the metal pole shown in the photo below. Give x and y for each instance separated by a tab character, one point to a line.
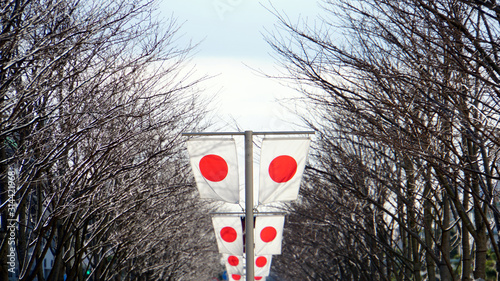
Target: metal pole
249	231
239	214
243	133
249	227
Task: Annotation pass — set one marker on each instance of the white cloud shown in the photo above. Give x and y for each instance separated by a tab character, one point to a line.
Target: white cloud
230	32
245	96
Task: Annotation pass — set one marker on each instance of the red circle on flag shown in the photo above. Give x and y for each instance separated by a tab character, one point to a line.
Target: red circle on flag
282	168
267	234
261	261
213	167
233	260
228	234
258	277
236	276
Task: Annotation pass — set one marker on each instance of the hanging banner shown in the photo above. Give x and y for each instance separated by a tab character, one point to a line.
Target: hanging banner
229	234
234	264
215	166
235	277
282	162
268	234
262	265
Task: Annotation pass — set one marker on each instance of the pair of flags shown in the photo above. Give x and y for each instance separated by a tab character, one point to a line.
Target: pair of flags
240	277
268	233
215	166
234	266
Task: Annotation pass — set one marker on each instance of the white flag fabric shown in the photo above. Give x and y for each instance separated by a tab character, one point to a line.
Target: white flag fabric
282	163
234	264
215	167
268	234
262	265
229	234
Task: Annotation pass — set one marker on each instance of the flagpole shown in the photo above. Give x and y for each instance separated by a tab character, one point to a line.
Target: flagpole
249	214
243	133
249	227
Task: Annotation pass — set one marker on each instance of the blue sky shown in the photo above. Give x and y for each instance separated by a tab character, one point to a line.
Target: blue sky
233	28
230	36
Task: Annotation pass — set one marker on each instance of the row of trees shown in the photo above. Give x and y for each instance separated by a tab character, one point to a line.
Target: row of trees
93	99
403	180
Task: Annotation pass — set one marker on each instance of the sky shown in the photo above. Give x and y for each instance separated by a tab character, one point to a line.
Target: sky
231	48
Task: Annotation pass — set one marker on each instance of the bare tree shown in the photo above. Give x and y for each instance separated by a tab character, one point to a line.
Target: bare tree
407	110
94	97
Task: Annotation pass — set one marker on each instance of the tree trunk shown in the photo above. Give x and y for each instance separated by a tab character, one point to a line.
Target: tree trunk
430	263
4	274
481	240
466	253
445	273
414	246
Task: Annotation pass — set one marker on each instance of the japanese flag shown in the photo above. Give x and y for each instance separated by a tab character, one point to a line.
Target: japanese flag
261	278
262	265
282	163
234	264
268	234
215	167
235	277
229	234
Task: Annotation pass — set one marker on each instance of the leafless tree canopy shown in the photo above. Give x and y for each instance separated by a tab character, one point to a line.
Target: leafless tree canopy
403	182
93	98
